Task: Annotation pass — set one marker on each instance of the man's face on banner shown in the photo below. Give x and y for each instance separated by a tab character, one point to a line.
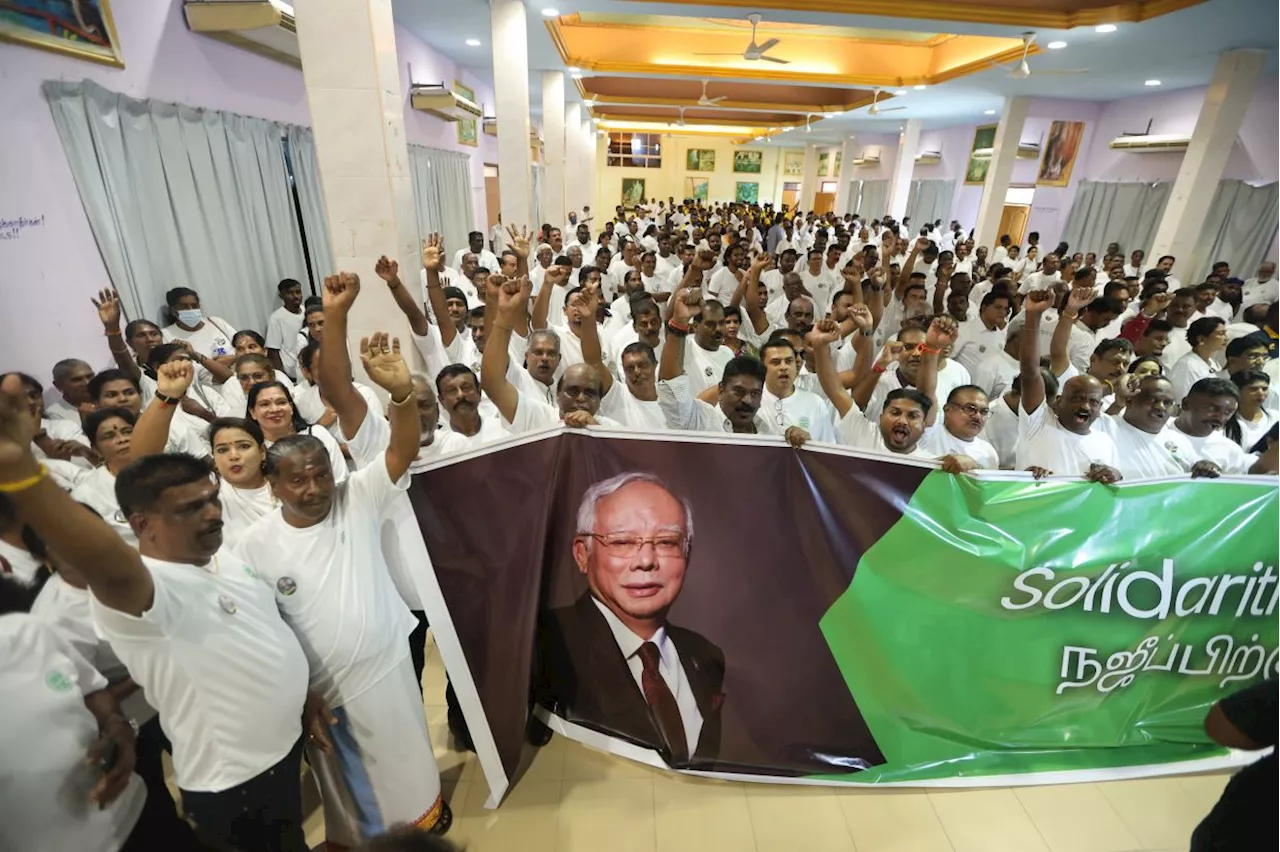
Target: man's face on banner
636	554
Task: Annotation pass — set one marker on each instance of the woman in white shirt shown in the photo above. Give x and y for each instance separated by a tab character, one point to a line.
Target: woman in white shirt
271	406
1251	421
209	336
110	433
1207	337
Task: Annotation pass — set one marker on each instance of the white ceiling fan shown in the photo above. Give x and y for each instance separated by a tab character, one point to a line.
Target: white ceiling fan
679	122
1022	70
876	109
706	101
754	52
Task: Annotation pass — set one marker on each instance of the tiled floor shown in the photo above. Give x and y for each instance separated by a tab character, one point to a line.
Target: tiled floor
574	799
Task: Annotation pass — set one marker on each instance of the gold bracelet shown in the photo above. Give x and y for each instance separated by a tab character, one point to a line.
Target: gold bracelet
24	484
408	399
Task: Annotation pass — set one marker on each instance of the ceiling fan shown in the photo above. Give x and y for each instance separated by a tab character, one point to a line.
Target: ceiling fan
1022	70
754	51
876	109
679	122
706	101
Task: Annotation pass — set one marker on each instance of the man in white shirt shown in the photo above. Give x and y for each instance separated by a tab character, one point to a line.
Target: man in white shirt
1059	437
981	338
1165	265
71	377
197	629
964	416
283	328
1205	410
1262	288
1146	446
725	280
544	256
788	405
1048	278
498	237
1134	268
475	245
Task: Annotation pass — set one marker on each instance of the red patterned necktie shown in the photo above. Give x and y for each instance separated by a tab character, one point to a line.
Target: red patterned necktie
663	703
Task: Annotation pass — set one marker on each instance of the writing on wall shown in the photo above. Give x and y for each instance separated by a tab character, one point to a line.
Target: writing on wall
13	229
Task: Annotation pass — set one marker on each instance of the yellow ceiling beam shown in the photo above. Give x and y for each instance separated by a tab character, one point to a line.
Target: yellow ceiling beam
741	106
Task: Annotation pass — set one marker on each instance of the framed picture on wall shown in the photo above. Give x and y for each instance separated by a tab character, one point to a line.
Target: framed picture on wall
696	188
632	192
748	162
466	127
746	192
1061	147
82	29
700	160
835	170
793	164
984	138
824	164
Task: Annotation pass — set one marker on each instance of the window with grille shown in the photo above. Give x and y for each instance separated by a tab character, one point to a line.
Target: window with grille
635	150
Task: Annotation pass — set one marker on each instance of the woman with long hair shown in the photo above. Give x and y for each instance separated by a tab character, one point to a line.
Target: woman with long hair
271	406
1252	420
1147	365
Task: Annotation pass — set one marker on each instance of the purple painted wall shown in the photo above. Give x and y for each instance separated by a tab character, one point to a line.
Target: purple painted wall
53	268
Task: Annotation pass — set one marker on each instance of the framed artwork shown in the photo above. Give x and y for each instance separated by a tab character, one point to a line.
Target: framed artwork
748	162
824	164
976	170
81	29
793	164
632	192
835	171
466	127
696	188
700	160
746	192
1061	147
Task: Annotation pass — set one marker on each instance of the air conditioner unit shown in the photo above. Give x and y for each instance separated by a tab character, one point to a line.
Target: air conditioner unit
489	124
868	160
928	158
264	27
1026	151
1159	143
442	103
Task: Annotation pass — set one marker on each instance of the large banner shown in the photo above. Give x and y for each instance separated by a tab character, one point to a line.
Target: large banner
730	605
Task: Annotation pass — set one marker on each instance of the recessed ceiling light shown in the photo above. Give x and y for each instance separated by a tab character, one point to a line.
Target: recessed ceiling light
900	92
577	75
550	13
1152	83
989	112
574	70
920	87
828	115
589	102
1056	45
473	42
1105	28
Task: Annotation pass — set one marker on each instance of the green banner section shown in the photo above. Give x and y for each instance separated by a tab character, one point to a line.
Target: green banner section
1015	627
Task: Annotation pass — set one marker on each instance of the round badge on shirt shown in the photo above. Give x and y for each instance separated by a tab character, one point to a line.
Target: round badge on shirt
709	372
286	586
228	605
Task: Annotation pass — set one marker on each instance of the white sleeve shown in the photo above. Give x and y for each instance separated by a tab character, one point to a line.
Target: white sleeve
275	334
44	642
532	414
337	460
857	430
371	486
677	403
115	626
370	440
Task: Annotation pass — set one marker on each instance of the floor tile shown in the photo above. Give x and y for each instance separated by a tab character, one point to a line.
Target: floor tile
893	821
433	679
1205	790
548	761
701	815
794	817
582	763
1159	811
991	820
1076	818
615	814
528	820
453	765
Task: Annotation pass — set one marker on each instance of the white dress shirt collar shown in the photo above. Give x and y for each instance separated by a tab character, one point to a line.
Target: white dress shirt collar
628	642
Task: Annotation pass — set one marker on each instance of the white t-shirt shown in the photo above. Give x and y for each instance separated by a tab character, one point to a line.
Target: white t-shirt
686	412
1142	455
48	734
1219	449
802	408
333	586
237	401
976	344
98	492
860	431
622	405
704	368
533	414
337	460
1188	370
213	655
1252	433
212	339
19	563
241	507
995	373
938	441
950	377
1001	432
283	328
723	285
1043	442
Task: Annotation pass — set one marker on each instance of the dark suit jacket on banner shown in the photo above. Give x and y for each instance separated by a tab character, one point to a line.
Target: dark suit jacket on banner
584	678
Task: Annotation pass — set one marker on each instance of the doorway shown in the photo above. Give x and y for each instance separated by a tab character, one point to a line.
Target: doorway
790	194
1013	221
492	200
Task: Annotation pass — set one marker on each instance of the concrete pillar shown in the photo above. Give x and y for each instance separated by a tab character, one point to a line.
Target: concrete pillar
553	149
352	79
903	168
575	177
1003	156
511	95
1181	231
809	182
591	146
846	177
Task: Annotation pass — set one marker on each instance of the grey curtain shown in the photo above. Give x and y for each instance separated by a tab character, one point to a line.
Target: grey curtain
538	175
442	194
873	197
1124	213
315	221
1239	228
929	200
181	196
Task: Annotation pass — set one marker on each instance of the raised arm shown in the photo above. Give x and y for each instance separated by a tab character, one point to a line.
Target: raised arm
820	338
389	271
493	364
384	365
592	354
151	433
433	263
1037	302
542	304
340	292
108	306
751	286
520	245
909	265
1059	351
940	289
113	569
686	305
941	334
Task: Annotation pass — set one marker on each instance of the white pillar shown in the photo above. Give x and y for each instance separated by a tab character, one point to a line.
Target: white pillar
1181	231
575	178
591	146
553	149
352	79
996	186
845	177
809	182
903	168
511	94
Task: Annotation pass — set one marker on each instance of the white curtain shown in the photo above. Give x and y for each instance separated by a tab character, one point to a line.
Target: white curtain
315	221
442	195
930	200
1239	228
538	173
873	198
179	196
1107	212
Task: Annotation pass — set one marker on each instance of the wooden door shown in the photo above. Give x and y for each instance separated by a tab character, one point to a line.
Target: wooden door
824	202
790	198
492	200
1013	221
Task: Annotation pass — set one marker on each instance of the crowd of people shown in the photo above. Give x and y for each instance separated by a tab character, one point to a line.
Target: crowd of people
207	546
